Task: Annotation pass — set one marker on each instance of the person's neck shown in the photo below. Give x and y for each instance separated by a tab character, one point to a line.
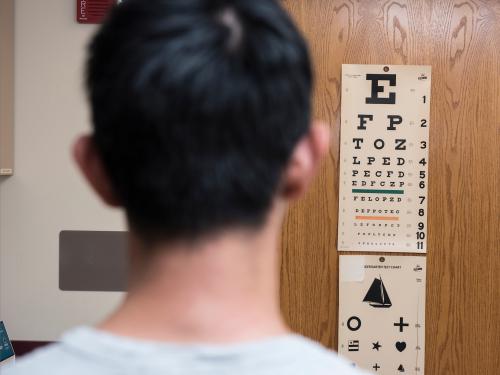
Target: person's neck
220	290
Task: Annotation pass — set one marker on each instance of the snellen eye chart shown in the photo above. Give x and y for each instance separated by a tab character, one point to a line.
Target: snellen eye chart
384	158
382	312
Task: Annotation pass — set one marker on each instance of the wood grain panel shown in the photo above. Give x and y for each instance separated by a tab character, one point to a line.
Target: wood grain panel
461	40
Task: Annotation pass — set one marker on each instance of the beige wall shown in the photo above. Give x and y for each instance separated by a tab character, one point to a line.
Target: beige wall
46	195
6	85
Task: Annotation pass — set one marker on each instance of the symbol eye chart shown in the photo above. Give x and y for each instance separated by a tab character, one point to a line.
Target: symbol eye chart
382	312
384	158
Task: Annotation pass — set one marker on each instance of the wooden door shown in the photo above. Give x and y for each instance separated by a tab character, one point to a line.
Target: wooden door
460	39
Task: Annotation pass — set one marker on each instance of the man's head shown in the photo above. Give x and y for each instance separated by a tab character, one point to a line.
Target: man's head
201	112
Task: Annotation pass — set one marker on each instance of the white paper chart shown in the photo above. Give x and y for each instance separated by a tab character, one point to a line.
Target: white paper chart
384	158
382	313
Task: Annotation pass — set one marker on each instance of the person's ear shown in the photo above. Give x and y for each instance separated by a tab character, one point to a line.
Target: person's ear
88	159
305	160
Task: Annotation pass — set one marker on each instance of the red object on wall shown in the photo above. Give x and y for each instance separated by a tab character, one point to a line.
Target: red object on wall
93	11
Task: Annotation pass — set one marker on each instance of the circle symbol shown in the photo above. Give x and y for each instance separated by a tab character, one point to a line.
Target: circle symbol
354	323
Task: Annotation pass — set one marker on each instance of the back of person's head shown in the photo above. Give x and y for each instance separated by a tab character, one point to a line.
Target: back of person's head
197	106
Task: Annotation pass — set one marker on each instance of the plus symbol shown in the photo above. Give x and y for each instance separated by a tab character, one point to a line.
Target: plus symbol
401	324
376	367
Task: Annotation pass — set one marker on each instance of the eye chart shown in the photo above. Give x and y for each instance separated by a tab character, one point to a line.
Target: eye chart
384	158
382	312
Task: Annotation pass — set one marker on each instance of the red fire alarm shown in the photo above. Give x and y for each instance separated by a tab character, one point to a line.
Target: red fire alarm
93	11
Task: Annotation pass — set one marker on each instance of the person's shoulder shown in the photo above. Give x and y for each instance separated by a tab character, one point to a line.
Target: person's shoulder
318	360
53	359
42	361
87	351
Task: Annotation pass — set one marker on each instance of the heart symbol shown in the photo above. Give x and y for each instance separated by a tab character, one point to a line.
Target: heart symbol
400	346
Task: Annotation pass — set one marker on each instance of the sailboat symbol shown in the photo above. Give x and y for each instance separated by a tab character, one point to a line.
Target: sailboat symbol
377	294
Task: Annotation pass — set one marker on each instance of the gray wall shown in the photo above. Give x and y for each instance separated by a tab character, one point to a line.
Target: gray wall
46	194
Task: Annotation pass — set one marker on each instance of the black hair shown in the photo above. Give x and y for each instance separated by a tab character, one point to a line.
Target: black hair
196	108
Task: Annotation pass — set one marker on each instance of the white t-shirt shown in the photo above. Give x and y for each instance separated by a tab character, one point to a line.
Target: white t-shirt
87	351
